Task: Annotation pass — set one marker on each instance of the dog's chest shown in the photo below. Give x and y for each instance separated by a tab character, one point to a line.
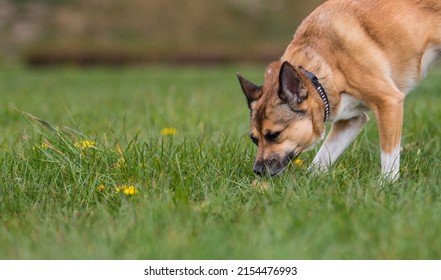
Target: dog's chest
349	107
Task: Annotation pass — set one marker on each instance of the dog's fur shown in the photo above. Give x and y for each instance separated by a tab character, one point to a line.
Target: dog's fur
367	54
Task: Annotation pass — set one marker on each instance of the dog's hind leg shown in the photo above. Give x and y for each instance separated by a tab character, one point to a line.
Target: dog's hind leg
389	117
342	134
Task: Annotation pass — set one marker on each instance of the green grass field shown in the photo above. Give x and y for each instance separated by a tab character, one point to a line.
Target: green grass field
192	195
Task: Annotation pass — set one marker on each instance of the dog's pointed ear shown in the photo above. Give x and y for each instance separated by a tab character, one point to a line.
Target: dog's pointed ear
251	91
291	87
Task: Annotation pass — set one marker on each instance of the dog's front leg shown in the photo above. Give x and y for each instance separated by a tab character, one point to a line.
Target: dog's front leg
342	134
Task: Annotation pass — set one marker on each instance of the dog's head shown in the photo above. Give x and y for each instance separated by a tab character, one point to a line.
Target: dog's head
285	120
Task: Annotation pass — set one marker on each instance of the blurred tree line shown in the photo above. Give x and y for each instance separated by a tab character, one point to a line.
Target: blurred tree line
118	32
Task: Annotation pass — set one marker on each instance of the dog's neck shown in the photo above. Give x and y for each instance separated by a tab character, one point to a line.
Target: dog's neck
321	91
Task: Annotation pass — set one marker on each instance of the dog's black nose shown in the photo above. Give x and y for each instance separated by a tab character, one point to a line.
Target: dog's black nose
258	170
261	169
270	167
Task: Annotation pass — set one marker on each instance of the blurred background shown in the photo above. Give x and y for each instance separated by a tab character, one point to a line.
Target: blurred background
115	32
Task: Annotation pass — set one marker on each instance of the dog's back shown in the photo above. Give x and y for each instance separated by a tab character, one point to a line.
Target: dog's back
398	39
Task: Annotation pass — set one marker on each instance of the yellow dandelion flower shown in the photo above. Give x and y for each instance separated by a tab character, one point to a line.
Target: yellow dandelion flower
127	190
168	131
298	162
85	144
131	190
101	188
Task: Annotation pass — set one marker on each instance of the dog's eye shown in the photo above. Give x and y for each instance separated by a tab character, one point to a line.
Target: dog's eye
272	136
254	139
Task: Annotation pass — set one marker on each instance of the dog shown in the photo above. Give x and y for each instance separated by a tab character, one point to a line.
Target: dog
346	58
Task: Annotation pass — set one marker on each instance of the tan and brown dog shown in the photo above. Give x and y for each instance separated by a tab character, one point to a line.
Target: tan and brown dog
366	54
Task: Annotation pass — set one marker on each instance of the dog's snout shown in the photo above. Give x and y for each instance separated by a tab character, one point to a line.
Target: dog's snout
267	167
258	169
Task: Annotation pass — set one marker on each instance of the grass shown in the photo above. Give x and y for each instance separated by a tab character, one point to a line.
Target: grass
197	196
